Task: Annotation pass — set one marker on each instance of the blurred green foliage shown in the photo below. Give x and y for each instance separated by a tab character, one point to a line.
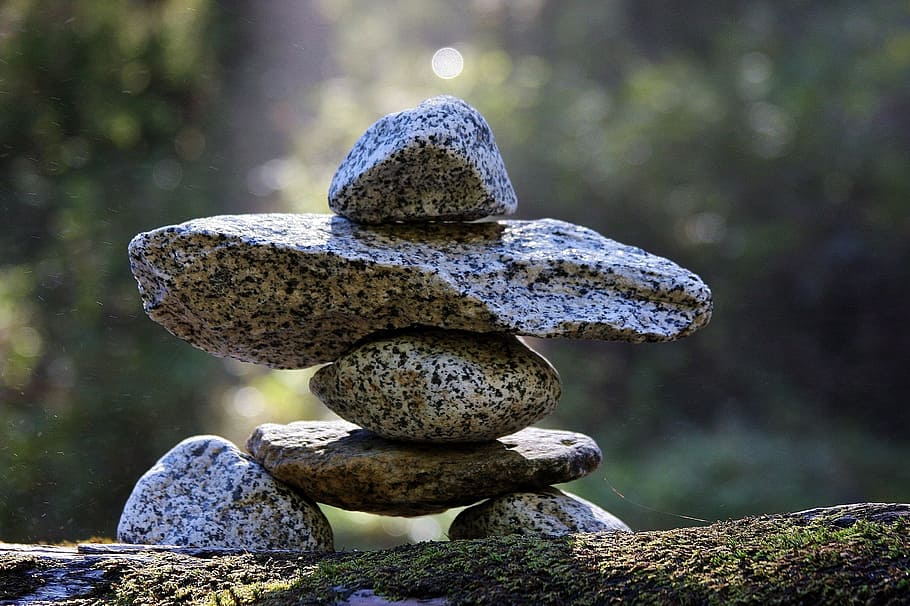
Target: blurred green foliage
763	145
105	110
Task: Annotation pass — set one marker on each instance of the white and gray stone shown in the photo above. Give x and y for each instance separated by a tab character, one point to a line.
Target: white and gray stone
205	492
545	512
291	291
440	386
341	464
437	161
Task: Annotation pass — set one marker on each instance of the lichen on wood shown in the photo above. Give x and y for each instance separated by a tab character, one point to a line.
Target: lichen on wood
845	554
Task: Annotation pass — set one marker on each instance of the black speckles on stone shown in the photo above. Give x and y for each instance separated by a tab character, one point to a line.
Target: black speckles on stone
417	311
205	492
544	512
433	385
437	161
311	286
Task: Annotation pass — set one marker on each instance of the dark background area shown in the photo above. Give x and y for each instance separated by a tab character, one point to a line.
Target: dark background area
763	145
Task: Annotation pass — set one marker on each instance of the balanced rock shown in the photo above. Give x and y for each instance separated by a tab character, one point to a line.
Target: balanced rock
205	492
437	161
546	512
291	291
341	464
440	386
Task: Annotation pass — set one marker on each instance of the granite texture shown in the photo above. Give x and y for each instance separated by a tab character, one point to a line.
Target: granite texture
437	161
205	492
291	291
341	464
440	386
546	512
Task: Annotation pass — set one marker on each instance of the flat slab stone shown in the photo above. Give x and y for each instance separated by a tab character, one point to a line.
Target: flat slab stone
205	492
440	386
546	512
437	161
341	464
294	290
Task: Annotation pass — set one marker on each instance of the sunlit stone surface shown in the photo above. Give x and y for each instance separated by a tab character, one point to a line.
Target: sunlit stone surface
545	512
340	464
294	290
440	386
437	161
205	492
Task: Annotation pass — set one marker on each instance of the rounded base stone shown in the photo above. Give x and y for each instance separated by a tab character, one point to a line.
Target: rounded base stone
205	492
546	512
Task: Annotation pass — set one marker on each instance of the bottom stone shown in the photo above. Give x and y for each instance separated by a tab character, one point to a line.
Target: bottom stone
205	492
546	512
341	464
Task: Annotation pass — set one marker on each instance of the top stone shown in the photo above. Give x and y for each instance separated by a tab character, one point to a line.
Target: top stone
435	162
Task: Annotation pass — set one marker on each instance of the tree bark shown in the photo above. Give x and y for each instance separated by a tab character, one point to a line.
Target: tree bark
845	554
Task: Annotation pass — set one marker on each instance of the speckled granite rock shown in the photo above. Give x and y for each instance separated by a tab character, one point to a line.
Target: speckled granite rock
440	386
291	291
205	492
547	512
437	161
340	464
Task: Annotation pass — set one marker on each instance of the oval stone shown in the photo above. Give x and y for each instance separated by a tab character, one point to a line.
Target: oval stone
440	386
205	492
546	512
341	464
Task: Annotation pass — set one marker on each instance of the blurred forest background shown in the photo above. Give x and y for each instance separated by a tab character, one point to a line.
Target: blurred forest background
763	145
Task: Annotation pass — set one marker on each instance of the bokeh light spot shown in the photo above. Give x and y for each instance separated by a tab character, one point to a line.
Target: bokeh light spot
447	63
248	402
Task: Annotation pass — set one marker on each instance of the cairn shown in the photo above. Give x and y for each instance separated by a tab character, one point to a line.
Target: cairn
416	309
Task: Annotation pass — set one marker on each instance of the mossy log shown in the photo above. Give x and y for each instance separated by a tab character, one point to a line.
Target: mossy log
845	554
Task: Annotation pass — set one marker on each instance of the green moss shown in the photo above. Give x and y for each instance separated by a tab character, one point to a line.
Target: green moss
751	561
737	562
169	578
462	571
767	560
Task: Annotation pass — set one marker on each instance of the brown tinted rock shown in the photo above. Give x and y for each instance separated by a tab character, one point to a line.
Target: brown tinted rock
440	386
291	291
546	512
341	464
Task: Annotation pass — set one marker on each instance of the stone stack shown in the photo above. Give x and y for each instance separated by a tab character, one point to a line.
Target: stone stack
417	310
